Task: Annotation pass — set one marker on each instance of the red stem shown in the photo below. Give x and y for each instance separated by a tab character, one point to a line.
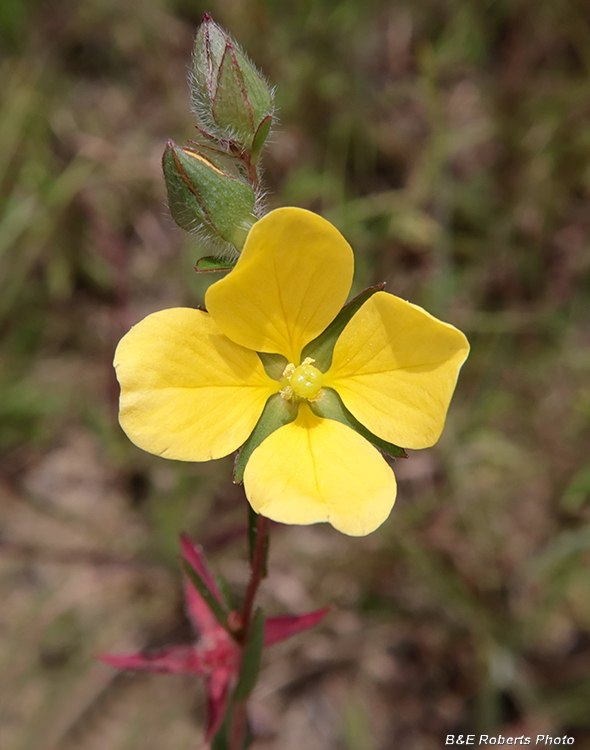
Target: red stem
239	720
256	576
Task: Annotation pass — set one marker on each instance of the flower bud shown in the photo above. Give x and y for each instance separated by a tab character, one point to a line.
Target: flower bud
230	96
206	199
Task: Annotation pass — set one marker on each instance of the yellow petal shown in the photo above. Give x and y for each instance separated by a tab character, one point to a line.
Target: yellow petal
395	367
319	470
290	282
187	391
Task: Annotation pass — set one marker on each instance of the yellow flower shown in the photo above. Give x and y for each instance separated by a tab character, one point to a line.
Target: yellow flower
193	383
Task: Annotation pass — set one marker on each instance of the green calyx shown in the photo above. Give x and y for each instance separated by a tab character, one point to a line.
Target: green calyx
230	97
204	198
242	99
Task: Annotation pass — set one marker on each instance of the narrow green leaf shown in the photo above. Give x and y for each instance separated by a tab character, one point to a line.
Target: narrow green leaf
218	610
225	590
330	406
222	739
210	263
251	659
222	736
277	412
322	347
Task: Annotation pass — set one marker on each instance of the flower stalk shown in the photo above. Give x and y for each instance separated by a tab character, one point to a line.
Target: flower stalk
245	636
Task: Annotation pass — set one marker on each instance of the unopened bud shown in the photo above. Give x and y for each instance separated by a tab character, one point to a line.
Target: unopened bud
230	97
206	199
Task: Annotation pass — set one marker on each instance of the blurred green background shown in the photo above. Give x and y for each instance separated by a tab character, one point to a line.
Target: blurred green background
449	140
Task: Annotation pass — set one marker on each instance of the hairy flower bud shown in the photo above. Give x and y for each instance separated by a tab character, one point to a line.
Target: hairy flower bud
231	99
206	199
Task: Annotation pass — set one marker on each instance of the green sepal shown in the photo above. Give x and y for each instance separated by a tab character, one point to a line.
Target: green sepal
252	538
210	150
274	364
210	263
214	148
210	44
322	347
242	98
259	93
277	412
213	603
231	108
260	137
204	198
330	406
251	659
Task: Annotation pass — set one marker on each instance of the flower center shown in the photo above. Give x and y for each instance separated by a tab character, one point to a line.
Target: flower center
303	382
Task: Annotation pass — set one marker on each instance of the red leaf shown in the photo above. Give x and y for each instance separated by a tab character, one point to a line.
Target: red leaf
193	554
199	613
280	628
217	694
215	655
172	660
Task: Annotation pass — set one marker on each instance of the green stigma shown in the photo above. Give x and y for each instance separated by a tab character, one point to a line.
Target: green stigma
303	382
